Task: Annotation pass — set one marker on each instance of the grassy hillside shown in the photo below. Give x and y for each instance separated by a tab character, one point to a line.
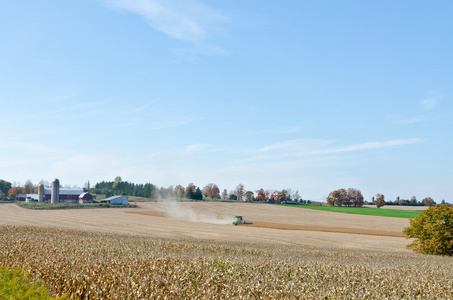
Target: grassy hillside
396	213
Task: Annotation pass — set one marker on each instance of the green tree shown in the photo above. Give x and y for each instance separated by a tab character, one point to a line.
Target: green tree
2	195
190	190
197	195
5	186
249	196
432	231
116	181
380	201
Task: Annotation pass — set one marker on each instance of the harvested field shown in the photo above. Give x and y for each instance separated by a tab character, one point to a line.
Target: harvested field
90	265
191	250
315	228
401	207
325	229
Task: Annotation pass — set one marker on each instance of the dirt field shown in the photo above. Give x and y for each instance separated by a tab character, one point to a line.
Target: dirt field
212	221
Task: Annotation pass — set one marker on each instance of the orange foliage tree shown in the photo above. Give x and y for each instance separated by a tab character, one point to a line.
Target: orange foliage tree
343	197
380	201
211	191
14	191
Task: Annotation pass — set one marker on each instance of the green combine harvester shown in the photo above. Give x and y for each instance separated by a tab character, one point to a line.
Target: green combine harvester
238	220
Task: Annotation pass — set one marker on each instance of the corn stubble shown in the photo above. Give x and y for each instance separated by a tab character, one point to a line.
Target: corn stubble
90	265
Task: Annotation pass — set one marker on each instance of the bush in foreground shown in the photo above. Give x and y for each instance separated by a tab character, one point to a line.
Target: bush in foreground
16	284
432	231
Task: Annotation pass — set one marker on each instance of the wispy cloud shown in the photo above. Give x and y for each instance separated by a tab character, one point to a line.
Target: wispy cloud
196	148
186	20
432	101
302	147
429	103
364	146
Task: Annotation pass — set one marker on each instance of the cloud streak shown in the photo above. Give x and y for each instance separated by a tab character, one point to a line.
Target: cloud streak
196	148
318	147
188	20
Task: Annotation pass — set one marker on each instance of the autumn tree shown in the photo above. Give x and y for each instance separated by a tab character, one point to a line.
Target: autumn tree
225	194
239	192
179	191
249	196
267	194
28	187
212	191
380	201
428	201
283	195
297	196
190	190
355	197
274	196
261	195
2	195
337	197
432	231
13	192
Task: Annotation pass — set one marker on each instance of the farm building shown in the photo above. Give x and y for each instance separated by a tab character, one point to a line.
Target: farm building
116	200
20	197
86	198
66	195
31	197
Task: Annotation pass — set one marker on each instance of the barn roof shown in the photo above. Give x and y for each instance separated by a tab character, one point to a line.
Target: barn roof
64	191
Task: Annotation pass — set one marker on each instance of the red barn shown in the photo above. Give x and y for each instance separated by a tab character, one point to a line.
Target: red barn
86	198
66	195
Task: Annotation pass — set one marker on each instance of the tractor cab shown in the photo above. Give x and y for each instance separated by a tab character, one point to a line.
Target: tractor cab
238	220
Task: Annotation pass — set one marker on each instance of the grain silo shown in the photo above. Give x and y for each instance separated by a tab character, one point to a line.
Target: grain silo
41	192
55	198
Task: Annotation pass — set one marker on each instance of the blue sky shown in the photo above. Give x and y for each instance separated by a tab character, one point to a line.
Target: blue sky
308	95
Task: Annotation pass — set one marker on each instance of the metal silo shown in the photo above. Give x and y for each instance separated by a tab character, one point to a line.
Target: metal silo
55	198
41	192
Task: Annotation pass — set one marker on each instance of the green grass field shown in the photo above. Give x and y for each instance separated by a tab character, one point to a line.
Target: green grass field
369	211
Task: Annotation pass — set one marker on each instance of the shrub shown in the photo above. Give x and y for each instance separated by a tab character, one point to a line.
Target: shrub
432	231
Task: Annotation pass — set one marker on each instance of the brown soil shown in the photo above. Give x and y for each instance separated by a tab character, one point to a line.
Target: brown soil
324	229
212	221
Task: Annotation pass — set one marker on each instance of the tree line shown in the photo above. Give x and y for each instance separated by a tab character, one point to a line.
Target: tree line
353	197
341	197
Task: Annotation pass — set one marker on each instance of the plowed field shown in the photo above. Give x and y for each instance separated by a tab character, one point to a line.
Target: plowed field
211	220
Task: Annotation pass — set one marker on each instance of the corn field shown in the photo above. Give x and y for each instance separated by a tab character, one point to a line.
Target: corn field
90	265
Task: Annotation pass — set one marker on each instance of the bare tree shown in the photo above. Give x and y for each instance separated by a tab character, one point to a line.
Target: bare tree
239	192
